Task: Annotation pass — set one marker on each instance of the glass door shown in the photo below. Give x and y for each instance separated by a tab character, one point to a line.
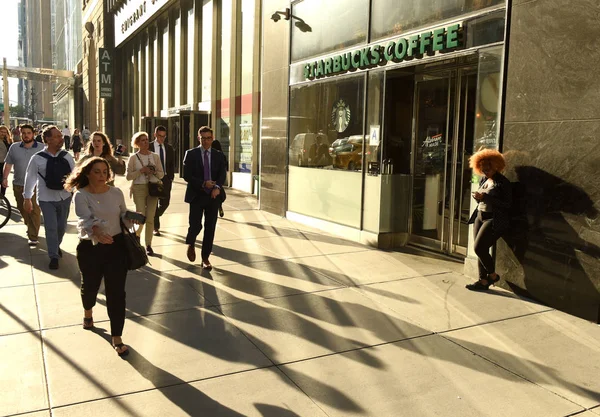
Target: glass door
443	142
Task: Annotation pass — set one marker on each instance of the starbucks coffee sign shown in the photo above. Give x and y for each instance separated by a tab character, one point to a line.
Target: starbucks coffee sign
401	49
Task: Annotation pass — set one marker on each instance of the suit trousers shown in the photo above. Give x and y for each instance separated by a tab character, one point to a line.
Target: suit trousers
209	208
145	204
108	262
163	202
32	220
485	237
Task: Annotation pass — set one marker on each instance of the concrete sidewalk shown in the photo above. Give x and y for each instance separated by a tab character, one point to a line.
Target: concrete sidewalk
290	322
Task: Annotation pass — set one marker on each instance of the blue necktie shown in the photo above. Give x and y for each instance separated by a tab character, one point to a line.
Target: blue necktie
206	171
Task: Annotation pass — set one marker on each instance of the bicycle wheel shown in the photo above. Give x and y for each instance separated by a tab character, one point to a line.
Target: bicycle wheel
5	211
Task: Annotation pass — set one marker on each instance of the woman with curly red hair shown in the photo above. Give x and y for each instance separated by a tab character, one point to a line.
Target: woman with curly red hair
491	217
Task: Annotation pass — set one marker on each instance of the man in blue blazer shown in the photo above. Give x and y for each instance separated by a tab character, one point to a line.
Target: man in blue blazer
204	171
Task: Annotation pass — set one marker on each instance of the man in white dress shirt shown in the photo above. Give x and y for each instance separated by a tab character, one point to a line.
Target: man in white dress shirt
47	172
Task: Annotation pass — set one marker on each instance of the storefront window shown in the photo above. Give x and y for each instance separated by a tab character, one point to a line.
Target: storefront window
318	29
391	17
489	88
223	117
207	38
326	150
243	157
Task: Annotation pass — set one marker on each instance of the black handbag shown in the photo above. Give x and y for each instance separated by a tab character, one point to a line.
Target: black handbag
156	189
136	254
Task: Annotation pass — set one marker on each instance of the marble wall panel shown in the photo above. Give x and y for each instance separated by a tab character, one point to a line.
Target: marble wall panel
274	108
554	55
553	250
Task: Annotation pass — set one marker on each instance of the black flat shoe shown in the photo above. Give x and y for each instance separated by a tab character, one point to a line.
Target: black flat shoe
149	250
478	286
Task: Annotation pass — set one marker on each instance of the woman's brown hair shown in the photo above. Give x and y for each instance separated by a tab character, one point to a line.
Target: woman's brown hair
107	149
79	177
491	155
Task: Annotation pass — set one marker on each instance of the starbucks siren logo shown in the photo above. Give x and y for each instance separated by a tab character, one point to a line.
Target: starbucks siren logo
340	116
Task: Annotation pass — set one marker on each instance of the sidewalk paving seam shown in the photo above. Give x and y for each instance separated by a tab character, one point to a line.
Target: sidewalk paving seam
193	381
516	374
278	366
42	342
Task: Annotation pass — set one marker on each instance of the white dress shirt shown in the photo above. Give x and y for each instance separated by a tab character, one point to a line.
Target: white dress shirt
157	147
37	166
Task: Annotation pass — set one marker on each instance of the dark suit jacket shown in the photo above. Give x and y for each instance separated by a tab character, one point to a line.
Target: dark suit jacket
169	160
501	198
193	173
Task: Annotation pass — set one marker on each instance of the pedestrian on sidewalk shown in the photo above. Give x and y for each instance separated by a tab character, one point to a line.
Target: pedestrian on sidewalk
76	144
491	218
144	167
66	133
101	252
101	146
18	157
217	145
85	134
48	170
166	154
5	143
204	171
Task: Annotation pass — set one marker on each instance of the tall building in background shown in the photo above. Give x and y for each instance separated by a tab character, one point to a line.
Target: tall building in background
66	55
37	53
22	53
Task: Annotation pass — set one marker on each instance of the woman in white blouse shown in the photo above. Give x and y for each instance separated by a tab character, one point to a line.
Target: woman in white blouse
143	167
101	252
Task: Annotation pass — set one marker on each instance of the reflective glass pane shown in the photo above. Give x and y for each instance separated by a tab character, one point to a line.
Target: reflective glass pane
391	17
319	27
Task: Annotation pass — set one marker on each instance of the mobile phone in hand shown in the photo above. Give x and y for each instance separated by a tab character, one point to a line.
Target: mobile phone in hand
133	215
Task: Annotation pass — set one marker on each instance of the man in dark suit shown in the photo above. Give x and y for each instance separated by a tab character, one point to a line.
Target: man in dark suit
167	158
204	171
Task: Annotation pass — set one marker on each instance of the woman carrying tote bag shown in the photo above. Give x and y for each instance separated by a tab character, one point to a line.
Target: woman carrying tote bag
144	167
101	252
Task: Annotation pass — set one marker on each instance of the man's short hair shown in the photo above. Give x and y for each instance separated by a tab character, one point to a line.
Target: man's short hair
205	129
160	128
26	126
48	132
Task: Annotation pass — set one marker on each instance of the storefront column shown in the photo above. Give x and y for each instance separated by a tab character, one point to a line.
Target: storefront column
256	90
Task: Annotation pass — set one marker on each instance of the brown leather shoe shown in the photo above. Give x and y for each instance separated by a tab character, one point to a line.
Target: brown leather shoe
191	253
206	264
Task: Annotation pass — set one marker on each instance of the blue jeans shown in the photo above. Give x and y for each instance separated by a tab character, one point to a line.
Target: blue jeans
55	222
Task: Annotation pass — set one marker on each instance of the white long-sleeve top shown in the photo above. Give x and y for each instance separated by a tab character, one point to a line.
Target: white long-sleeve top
105	210
37	166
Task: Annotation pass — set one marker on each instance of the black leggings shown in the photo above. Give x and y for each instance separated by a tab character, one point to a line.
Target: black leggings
485	237
108	262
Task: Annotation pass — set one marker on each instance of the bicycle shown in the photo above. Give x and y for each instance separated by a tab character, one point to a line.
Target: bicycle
5	211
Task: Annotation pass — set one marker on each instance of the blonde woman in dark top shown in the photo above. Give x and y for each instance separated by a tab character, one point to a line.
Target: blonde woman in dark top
101	252
100	146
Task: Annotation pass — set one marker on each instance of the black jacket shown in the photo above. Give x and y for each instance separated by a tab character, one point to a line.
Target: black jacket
169	160
501	199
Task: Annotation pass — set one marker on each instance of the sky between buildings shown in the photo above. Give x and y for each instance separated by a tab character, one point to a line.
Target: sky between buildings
8	44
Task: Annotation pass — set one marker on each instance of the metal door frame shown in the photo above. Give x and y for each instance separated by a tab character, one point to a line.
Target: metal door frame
454	74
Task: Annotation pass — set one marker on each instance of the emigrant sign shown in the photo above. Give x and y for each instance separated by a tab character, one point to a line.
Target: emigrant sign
401	49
